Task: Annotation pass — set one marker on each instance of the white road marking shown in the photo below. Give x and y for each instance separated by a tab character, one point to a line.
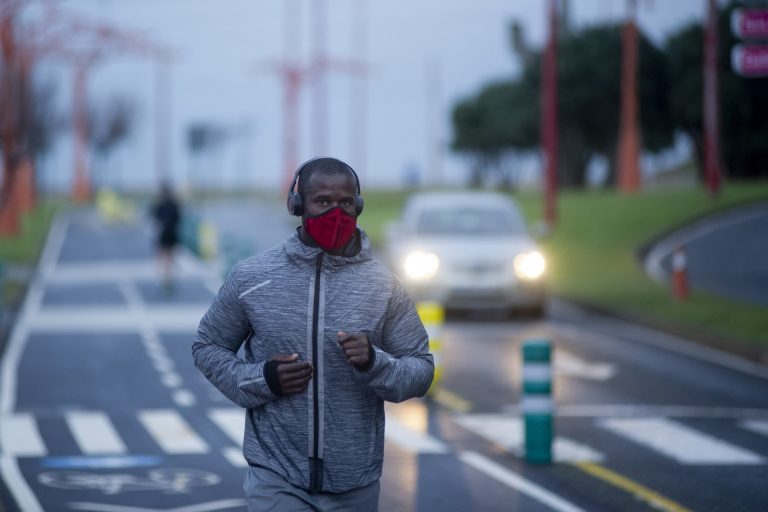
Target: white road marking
20	437
235	457
9	466
683	444
652	337
646	411
210	506
94	433
412	440
760	427
171	380
115	319
511	479
184	398
231	420
568	364
112	271
172	432
686	235
507	432
22	493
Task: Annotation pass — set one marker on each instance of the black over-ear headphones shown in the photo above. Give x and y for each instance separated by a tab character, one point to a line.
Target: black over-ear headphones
295	202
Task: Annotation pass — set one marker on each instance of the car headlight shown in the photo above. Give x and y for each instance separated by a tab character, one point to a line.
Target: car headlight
421	265
529	266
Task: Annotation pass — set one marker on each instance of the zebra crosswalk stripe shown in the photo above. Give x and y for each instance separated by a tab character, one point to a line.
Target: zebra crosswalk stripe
758	426
231	421
507	432
676	441
94	433
235	457
172	432
20	437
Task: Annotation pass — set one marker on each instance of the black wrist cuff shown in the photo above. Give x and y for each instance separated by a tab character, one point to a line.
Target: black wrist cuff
270	376
371	359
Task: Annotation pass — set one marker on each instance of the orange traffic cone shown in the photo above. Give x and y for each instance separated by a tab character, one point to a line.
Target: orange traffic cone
680	274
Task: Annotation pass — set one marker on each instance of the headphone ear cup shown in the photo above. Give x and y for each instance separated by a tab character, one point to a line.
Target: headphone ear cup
359	203
295	206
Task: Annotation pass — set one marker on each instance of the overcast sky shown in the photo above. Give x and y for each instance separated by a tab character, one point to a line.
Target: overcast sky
421	56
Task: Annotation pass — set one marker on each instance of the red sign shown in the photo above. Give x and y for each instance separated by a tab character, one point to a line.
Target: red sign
750	60
750	23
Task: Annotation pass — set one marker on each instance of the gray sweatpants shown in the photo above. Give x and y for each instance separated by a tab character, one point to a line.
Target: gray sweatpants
265	490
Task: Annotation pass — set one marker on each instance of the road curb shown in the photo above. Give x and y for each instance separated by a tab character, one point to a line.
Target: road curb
729	344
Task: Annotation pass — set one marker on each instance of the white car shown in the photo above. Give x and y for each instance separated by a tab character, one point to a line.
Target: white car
468	250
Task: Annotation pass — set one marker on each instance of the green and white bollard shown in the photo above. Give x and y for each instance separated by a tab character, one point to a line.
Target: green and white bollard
537	406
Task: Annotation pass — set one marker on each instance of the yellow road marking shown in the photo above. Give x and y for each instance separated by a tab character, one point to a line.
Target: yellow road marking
655	499
451	401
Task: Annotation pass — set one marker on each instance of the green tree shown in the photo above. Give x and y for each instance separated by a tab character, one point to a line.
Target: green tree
500	119
743	101
505	115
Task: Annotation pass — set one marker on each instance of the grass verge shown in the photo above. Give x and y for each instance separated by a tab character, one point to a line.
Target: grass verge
24	248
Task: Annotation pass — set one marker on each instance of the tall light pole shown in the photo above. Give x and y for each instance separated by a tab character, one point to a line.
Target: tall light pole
629	135
711	123
549	118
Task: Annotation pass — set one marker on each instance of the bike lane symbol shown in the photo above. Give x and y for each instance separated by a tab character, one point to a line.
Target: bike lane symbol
166	480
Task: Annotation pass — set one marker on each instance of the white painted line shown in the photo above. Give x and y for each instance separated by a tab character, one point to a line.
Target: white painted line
411	440
15	481
645	411
231	420
184	398
115	319
172	432
649	336
18	338
163	364
210	506
507	432
17	484
760	427
686	235
171	380
683	444
112	271
235	457
511	479
569	365
20	437
94	433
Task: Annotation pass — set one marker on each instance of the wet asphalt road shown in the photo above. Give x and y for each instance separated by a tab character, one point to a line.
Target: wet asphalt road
102	409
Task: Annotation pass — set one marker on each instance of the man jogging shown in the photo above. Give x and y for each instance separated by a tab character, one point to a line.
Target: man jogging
329	334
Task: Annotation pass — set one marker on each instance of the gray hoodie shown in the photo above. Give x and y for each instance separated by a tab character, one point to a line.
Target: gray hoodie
330	437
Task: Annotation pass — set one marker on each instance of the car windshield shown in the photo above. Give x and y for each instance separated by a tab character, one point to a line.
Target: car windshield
470	221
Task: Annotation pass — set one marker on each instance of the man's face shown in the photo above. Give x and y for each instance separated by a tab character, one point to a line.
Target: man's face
326	191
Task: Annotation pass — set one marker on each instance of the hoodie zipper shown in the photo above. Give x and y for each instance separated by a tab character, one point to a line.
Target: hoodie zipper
315	463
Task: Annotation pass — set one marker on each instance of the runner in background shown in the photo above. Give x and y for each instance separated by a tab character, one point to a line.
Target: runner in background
167	214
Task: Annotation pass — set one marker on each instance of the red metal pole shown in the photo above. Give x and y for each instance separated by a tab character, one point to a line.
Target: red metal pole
318	75
629	136
712	171
359	97
162	118
82	188
549	122
292	78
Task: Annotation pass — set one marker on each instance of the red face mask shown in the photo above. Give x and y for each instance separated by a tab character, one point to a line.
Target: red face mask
331	230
